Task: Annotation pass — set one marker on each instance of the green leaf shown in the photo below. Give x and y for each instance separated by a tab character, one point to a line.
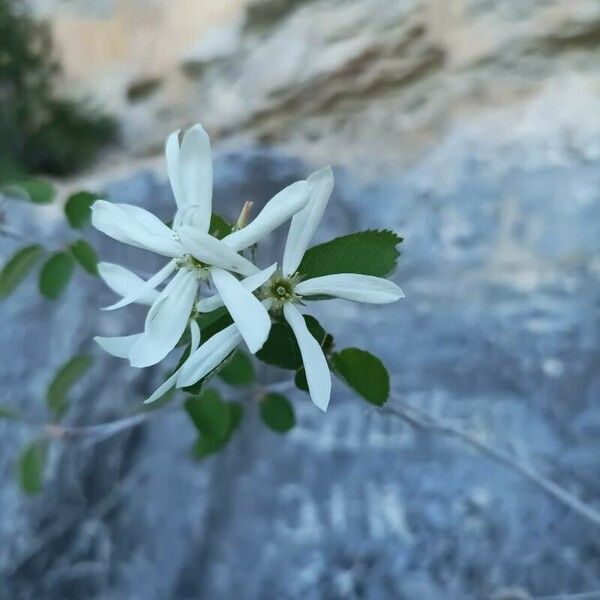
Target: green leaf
210	415
215	420
34	190
300	380
32	464
9	413
18	267
238	370
365	252
78	208
364	373
277	413
57	395
219	227
85	255
56	274
281	348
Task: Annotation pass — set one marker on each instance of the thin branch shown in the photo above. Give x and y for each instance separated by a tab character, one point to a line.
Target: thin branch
423	421
578	596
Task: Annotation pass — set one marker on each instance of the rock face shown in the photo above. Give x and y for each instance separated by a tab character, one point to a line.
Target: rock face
332	76
482	120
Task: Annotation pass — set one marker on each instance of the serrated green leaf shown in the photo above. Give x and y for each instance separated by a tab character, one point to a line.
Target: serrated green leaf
365	252
78	208
238	370
85	255
32	464
364	373
56	274
57	394
281	348
219	227
37	191
277	413
18	267
9	413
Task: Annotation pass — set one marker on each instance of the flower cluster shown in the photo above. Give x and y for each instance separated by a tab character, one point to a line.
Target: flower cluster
209	271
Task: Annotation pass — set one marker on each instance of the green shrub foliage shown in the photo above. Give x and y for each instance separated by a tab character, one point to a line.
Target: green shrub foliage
40	131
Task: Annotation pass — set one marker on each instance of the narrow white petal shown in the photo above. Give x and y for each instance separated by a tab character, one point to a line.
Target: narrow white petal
170	382
145	287
351	286
195	335
245	309
162	389
315	363
124	282
211	251
172	155
209	356
134	226
196	171
118	346
166	323
278	210
304	224
253	282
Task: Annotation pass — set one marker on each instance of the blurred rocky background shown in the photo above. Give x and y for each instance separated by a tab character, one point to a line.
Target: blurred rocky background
470	126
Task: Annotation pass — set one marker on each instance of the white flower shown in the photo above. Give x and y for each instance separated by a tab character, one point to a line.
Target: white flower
284	290
194	255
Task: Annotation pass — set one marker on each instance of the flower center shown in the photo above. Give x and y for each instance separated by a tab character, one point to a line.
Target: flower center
188	262
281	290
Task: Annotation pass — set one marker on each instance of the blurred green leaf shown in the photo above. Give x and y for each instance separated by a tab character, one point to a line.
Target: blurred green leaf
238	370
366	252
364	373
85	255
78	208
214	419
9	413
209	413
32	464
17	267
57	395
56	274
277	413
281	348
34	190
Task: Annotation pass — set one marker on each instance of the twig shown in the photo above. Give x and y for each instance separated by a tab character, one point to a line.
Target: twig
103	431
579	596
423	421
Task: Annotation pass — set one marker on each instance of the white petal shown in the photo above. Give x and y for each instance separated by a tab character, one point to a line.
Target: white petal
304	224
278	210
172	155
245	309
195	335
315	363
196	172
209	356
211	251
124	282
134	226
145	287
166	321
351	286
250	283
170	382
118	346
